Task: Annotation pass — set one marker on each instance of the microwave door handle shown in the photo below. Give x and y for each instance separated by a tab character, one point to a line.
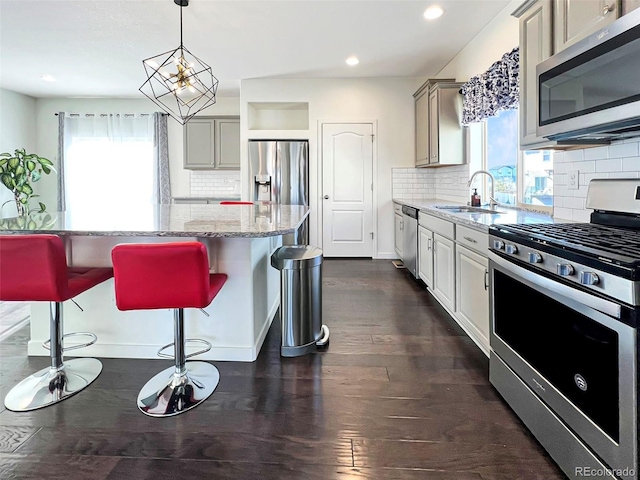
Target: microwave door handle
597	303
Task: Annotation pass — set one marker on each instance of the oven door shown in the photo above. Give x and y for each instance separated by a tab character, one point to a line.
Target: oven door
570	349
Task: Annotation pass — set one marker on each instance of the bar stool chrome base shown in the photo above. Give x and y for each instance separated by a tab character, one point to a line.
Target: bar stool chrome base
52	385
170	393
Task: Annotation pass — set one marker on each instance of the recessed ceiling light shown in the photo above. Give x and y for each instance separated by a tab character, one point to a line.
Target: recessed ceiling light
47	78
352	60
433	12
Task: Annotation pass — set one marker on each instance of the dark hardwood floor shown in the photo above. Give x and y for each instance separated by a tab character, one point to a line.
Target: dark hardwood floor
400	393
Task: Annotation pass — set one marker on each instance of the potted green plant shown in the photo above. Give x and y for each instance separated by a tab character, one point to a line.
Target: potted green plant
18	171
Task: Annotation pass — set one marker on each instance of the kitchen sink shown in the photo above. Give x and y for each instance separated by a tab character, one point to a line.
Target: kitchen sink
467	209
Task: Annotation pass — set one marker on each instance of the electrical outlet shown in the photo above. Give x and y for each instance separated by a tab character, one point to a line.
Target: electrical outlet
574	179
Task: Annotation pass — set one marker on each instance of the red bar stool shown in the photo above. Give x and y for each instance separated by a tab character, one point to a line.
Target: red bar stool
230	202
169	275
34	268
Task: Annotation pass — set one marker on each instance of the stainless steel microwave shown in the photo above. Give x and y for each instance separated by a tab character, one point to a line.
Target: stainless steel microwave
591	90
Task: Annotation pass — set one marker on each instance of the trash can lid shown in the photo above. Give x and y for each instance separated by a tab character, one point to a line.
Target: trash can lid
293	257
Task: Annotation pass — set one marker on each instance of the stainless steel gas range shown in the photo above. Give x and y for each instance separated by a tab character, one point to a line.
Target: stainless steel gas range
565	308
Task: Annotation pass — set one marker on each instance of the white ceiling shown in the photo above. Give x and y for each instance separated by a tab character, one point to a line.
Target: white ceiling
95	47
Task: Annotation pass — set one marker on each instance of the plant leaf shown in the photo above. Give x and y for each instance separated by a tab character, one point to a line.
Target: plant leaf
35	176
14	162
6	154
43	161
31	165
21	221
24	200
6	180
4	161
46	169
43	207
20	170
31	225
26	188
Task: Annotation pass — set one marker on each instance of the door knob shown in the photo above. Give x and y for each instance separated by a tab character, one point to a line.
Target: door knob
326	197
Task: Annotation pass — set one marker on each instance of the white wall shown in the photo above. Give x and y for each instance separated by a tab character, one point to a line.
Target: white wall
17	130
47	133
388	101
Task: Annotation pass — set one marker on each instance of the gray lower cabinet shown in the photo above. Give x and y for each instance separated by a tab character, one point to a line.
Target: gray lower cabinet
444	274
425	255
398	236
472	294
212	143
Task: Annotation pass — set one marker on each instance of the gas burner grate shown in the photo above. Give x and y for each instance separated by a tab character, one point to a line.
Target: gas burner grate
601	240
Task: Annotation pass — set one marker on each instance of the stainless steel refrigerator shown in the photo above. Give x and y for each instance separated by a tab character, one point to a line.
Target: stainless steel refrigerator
279	173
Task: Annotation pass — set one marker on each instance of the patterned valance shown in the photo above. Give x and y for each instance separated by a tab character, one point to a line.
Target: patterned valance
493	91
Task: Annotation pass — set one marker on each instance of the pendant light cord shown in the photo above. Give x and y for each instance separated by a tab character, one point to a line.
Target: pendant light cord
181	7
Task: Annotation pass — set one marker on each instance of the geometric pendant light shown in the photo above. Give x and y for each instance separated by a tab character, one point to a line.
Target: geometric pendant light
178	81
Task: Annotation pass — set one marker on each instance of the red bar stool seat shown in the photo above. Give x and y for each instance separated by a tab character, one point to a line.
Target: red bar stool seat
33	267
169	275
235	202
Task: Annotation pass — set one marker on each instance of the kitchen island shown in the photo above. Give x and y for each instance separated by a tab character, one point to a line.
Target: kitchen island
240	240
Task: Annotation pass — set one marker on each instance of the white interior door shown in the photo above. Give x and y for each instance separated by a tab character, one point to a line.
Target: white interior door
347	176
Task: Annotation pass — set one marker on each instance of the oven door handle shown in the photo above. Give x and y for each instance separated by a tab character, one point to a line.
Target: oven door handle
605	306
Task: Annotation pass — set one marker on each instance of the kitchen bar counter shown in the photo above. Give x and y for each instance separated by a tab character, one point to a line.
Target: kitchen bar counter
240	240
479	221
248	221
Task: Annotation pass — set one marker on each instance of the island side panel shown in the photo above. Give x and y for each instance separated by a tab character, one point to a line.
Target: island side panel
240	315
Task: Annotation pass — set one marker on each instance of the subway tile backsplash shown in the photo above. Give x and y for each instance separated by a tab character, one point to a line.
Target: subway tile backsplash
215	183
444	183
618	160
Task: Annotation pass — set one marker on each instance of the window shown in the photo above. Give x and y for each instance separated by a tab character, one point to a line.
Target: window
110	165
522	178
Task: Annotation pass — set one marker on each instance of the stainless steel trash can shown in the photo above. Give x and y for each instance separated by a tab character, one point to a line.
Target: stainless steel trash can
300	299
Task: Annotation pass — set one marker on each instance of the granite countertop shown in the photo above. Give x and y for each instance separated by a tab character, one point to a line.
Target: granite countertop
479	221
187	220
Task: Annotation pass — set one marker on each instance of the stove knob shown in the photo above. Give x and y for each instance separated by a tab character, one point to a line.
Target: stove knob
535	257
511	249
564	269
589	278
498	244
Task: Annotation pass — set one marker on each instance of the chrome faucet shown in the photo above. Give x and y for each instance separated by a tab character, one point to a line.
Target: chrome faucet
492	197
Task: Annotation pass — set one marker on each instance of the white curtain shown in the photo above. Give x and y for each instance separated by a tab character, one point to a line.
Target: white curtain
113	161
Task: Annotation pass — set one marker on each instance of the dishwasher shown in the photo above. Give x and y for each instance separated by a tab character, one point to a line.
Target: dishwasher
410	240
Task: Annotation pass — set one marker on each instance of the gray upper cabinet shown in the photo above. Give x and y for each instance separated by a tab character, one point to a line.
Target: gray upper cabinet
535	46
212	143
439	135
446	135
228	145
574	20
628	5
422	127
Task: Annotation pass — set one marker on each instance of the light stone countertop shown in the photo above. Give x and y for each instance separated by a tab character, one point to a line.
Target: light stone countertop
187	220
479	221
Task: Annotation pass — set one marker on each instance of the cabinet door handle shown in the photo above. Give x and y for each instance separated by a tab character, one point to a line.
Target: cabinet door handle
486	279
469	239
429	244
607	9
401	225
